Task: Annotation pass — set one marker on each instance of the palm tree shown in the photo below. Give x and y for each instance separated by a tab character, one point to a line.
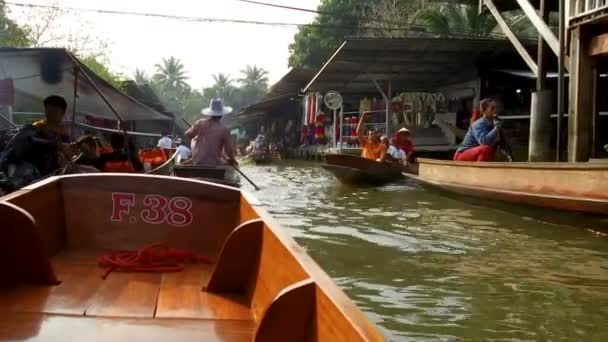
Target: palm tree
171	73
140	76
254	84
223	87
456	19
254	77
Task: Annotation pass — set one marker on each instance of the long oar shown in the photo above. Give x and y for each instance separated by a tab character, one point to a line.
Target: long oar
245	176
236	168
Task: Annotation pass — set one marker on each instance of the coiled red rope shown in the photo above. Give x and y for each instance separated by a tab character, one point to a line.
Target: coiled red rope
157	257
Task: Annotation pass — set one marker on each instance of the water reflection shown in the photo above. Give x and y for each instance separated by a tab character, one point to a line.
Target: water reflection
430	268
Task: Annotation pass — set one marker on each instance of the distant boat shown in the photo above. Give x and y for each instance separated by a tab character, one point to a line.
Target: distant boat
577	187
127	257
351	169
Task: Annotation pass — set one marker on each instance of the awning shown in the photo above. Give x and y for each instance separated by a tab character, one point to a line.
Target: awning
38	73
412	64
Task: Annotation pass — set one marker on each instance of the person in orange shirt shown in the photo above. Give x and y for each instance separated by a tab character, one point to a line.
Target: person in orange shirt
372	147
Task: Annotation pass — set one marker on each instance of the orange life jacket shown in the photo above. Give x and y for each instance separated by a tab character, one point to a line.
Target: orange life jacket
155	157
118	166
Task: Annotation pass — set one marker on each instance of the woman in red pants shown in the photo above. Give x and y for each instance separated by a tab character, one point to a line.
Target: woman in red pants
484	134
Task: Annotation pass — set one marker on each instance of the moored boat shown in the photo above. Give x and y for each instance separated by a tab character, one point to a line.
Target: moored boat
577	187
351	169
252	282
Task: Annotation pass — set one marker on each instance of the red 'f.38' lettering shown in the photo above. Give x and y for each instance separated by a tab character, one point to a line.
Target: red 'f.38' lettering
156	209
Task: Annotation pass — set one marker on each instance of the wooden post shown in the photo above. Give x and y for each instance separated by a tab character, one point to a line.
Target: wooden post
582	98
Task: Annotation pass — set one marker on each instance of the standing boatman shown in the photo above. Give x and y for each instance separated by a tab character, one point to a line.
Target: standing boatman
214	145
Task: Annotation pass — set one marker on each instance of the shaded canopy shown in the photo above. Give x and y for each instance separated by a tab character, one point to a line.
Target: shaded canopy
38	73
412	64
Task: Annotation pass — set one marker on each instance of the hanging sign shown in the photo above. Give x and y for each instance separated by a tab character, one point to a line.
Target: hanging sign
333	100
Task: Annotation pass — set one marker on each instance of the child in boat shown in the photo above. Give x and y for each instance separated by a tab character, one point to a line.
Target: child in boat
372	147
393	153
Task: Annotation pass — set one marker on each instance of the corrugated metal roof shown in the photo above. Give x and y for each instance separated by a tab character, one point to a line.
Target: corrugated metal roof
38	73
412	64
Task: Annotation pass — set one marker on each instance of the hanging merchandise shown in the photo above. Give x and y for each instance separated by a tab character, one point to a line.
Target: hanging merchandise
320	128
365	105
376	105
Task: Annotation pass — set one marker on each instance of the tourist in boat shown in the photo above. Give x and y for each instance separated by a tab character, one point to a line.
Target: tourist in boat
122	158
372	147
258	148
182	150
165	141
213	138
40	149
483	136
402	141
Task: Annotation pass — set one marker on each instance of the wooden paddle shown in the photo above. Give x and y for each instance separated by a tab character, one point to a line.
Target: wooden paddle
244	176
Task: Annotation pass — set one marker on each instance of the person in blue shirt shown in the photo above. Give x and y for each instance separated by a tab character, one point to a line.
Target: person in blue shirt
483	136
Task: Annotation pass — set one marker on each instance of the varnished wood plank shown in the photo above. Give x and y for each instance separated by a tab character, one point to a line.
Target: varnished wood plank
126	295
52	328
239	259
23	256
282	323
43	201
181	296
71	296
599	45
214	214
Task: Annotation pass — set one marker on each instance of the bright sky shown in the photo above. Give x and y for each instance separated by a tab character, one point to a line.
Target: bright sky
204	48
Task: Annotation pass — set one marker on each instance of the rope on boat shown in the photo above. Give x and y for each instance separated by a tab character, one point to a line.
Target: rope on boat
156	258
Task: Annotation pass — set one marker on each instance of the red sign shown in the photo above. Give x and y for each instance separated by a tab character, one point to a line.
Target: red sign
156	209
7	92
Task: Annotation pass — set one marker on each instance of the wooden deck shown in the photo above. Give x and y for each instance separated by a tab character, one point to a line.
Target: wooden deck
262	287
140	303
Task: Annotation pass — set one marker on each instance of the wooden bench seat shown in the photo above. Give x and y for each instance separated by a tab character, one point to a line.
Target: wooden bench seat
137	295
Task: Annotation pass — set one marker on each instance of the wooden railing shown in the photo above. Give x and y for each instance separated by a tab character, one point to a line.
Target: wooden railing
580	8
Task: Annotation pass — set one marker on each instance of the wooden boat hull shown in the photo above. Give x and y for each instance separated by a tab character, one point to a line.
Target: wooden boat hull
166	169
577	187
356	170
220	175
53	236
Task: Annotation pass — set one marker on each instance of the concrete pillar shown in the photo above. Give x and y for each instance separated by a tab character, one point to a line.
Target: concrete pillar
582	98
540	126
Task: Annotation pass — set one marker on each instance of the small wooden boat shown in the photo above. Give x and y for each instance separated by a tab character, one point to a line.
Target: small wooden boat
166	169
263	159
351	169
577	187
255	284
225	175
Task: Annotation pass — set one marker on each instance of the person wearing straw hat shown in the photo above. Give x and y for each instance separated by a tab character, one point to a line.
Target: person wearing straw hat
214	144
403	141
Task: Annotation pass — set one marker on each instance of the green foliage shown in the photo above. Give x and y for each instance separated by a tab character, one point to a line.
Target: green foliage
170	74
457	19
11	34
313	44
170	84
99	65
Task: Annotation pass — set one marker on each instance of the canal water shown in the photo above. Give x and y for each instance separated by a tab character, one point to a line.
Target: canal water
426	267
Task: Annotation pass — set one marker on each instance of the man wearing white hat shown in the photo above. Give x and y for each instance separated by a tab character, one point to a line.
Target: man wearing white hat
213	139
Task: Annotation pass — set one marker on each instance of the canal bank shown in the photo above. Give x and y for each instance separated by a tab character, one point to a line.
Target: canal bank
432	268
